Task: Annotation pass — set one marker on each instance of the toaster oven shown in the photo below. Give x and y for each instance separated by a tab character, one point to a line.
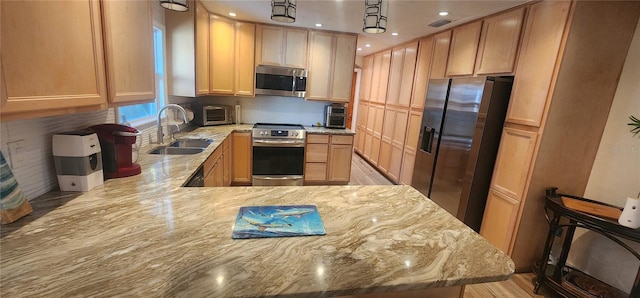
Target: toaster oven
213	115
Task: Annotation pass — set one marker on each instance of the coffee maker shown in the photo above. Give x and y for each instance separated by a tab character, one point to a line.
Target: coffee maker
78	160
116	141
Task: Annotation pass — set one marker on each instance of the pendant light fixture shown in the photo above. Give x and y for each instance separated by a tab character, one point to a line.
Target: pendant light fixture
283	11
177	5
375	16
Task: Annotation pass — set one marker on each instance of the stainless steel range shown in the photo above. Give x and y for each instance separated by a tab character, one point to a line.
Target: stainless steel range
278	154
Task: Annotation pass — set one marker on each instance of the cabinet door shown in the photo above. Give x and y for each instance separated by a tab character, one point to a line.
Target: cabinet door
395	75
64	31
340	162
365	80
241	158
539	52
514	158
222	58
270	45
295	47
128	40
245	66
317	153
202	49
383	82
408	161
410	146
343	63
315	172
464	49
441	43
375	77
320	57
499	220
226	162
499	43
408	70
421	77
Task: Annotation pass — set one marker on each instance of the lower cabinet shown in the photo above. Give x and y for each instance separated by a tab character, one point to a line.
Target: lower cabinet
328	159
214	169
241	158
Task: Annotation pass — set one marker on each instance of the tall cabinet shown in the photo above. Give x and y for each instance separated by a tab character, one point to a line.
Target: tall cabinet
567	75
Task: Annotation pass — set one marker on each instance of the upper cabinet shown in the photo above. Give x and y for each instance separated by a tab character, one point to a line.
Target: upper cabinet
365	80
441	42
281	46
128	41
188	51
39	41
403	65
380	76
499	42
245	66
464	48
331	63
222	55
421	77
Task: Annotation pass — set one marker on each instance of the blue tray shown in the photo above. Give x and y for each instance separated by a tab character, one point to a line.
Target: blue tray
277	221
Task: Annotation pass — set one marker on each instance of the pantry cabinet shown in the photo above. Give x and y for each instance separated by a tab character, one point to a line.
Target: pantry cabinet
241	158
403	65
39	79
410	146
365	79
281	46
128	41
392	142
499	42
221	55
380	76
421	77
463	49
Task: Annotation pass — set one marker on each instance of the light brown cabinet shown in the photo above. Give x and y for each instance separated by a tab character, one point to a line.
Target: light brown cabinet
380	77
365	79
213	169
499	42
410	146
241	158
316	157
421	77
331	64
65	31
328	159
187	45
392	142
244	59
403	65
340	153
464	49
128	41
281	46
222	55
554	92
441	42
361	124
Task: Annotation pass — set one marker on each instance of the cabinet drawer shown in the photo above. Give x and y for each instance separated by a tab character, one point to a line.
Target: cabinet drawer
343	140
317	139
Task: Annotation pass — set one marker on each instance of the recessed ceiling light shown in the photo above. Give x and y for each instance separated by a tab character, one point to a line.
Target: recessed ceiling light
444	13
233	14
318	25
394	33
359	49
367	45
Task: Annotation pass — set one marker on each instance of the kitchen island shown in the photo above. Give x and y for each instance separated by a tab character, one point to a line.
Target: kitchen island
147	236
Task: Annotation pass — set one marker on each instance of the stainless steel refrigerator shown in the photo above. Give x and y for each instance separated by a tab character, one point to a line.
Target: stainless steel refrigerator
459	137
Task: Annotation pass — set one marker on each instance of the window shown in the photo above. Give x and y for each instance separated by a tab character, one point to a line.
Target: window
144	114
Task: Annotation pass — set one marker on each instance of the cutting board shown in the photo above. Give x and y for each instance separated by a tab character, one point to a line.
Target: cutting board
592	208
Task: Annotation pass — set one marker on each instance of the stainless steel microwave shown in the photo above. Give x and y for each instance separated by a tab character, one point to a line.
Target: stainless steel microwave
281	81
213	115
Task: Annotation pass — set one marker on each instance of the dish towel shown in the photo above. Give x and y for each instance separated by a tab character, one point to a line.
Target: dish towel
13	204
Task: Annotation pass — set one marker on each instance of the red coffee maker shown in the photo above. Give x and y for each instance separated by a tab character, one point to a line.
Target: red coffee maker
116	143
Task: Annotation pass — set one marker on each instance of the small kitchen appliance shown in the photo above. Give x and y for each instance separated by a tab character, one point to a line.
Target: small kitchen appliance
281	81
206	115
78	160
335	116
116	141
278	154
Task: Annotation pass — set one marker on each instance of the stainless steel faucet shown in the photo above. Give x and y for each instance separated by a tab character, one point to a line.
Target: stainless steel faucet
159	124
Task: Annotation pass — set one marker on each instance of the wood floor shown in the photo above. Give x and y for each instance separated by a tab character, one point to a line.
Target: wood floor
519	286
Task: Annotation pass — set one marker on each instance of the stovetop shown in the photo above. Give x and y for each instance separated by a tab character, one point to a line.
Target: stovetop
278	130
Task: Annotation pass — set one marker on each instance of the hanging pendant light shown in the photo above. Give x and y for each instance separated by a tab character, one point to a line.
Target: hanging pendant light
283	11
177	5
375	16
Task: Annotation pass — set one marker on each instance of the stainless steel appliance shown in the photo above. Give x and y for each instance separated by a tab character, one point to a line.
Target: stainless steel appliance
213	114
282	81
461	127
278	154
335	116
78	160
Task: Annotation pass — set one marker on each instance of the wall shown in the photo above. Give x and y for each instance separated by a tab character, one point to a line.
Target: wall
614	177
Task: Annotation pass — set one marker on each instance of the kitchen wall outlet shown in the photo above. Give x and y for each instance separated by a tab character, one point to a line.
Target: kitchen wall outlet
17	153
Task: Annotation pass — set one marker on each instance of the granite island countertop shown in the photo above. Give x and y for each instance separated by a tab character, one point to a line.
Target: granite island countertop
147	236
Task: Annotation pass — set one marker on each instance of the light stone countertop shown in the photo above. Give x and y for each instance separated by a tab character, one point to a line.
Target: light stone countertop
146	236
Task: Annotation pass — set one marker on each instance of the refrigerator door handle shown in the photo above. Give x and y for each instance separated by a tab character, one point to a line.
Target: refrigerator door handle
427	139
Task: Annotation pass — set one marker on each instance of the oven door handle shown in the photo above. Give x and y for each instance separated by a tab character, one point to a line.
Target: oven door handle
267	143
278	178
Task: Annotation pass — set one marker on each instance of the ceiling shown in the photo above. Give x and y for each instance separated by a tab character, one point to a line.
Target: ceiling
408	18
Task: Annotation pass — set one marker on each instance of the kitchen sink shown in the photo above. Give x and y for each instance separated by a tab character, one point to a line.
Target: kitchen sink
191	143
176	150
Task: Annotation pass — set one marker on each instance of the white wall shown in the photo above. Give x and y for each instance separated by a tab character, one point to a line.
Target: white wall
614	177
